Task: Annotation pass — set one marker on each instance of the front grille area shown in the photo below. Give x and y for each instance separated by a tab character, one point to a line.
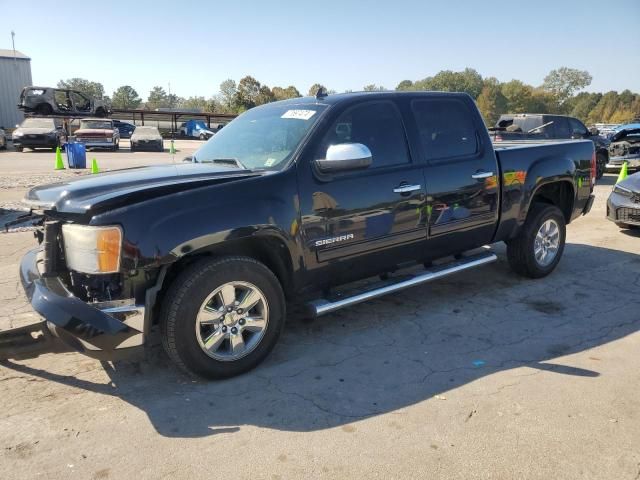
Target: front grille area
94	139
625	214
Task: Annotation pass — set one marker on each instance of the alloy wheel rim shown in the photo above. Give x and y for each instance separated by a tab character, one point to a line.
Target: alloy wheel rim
232	321
547	243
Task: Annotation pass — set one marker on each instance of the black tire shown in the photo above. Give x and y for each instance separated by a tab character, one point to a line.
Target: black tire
601	162
19	149
132	148
182	303
520	250
203	136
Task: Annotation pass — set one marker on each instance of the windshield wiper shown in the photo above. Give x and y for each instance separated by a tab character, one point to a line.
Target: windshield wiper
227	161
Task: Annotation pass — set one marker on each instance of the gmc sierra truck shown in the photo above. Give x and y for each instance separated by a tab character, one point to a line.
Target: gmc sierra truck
288	205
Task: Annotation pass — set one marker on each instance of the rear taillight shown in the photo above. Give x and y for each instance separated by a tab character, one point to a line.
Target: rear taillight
593	169
497	138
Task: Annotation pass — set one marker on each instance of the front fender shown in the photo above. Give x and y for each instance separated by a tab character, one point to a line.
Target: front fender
160	231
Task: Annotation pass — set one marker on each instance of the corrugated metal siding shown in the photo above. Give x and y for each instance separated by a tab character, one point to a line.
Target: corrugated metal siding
14	76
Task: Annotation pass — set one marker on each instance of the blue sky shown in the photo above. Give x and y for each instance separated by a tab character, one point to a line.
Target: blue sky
342	44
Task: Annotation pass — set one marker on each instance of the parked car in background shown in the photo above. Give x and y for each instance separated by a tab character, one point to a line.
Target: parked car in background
147	138
625	147
196	129
537	127
3	139
124	128
623	205
61	101
285	202
36	133
98	133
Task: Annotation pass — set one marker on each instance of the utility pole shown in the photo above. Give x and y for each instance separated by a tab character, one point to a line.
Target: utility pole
13	43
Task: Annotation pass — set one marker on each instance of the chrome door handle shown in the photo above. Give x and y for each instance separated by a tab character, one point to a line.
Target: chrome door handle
406	188
479	175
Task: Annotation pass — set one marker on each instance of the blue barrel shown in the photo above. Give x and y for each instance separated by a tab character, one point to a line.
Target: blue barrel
76	155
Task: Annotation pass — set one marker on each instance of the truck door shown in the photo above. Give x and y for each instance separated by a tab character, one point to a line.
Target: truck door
461	173
348	214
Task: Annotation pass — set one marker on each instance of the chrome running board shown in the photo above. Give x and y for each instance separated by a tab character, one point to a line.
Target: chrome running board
323	306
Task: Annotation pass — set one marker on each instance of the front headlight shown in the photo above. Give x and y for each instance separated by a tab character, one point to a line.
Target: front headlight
90	249
622	191
17	134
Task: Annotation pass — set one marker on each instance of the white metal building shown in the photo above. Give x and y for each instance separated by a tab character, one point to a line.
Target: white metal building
15	74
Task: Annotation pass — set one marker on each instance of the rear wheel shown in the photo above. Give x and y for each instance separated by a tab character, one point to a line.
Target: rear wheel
19	149
536	251
203	136
222	317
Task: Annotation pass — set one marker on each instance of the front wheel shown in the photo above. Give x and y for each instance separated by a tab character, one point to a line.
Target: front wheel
222	317
537	249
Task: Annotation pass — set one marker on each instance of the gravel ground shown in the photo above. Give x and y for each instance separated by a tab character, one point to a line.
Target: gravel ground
481	375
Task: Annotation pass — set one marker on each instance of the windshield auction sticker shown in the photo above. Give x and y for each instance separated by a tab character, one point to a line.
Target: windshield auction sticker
299	114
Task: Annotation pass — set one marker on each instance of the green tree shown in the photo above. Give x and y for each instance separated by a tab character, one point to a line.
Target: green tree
313	89
158	98
197	103
248	93
92	89
564	82
280	93
265	95
125	97
468	80
373	88
228	90
491	102
405	85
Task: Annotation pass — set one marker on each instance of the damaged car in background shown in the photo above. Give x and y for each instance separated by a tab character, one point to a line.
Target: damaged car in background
60	101
39	133
147	138
623	205
98	133
625	147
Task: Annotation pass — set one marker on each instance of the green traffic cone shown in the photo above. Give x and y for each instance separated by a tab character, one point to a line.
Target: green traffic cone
59	162
94	166
623	173
172	148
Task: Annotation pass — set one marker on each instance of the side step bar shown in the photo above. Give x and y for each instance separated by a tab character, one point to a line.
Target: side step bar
323	306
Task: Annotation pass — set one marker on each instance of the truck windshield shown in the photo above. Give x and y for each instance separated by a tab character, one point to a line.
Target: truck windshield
261	138
96	124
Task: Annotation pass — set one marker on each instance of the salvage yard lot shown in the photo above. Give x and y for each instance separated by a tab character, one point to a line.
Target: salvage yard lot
481	375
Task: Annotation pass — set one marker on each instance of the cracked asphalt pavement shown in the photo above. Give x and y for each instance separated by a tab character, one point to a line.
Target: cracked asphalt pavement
481	375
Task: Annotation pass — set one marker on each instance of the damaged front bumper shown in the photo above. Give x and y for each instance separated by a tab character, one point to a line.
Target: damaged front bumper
103	330
633	161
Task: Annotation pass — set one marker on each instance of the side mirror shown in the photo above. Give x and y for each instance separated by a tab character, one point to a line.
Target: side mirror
188	159
344	157
594	132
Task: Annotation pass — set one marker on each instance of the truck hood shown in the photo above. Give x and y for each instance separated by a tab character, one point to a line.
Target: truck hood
33	131
97	193
632	182
94	132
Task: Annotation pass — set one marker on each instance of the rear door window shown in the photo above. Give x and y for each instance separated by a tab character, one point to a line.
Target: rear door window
561	127
445	127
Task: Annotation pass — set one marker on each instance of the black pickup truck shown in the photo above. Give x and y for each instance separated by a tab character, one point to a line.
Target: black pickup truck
287	205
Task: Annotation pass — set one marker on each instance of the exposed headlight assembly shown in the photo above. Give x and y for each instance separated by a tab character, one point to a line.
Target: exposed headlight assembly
622	191
89	249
